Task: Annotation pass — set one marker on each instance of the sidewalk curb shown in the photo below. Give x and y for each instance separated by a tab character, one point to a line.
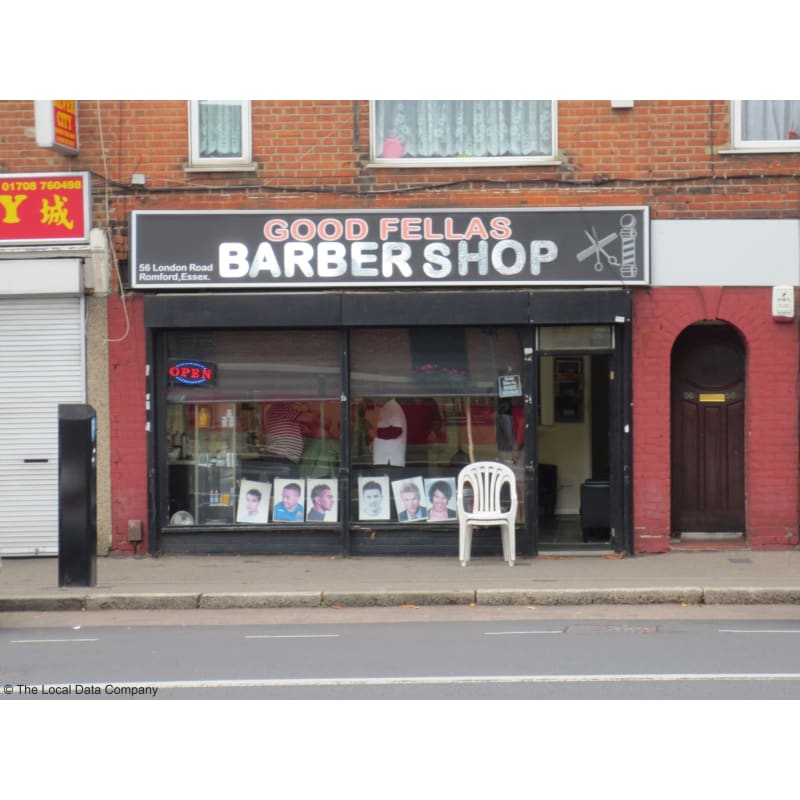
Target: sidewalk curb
260	600
579	597
73	602
124	602
402	598
732	595
690	595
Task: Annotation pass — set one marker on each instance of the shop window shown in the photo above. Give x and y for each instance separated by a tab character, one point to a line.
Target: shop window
425	402
219	134
766	124
463	132
257	441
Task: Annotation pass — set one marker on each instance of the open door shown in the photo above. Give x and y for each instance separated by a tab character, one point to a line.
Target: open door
574	433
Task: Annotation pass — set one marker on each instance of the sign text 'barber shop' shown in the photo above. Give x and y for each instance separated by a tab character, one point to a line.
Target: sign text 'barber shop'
606	246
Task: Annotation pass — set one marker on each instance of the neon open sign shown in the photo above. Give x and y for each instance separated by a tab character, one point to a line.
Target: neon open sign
192	373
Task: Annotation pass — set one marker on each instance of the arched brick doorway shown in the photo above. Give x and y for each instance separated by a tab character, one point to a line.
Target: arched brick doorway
707	431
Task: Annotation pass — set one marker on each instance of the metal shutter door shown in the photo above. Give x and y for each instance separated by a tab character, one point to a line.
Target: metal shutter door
41	365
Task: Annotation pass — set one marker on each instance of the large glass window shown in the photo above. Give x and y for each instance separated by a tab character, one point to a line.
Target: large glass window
220	133
257	442
457	132
767	124
426	401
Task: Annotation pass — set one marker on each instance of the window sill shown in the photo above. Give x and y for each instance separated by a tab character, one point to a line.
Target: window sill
461	163
738	151
251	167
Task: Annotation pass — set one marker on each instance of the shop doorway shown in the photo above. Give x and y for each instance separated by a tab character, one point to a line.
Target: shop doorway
708	385
573	447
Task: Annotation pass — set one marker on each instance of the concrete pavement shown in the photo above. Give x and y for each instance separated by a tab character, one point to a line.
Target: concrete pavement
250	581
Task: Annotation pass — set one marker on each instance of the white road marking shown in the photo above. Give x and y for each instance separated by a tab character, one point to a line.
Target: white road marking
745	630
292	636
49	641
517	633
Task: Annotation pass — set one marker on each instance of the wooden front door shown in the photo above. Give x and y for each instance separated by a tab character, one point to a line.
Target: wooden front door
708	368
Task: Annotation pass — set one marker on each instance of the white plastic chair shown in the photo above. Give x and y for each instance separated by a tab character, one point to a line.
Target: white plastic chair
487	480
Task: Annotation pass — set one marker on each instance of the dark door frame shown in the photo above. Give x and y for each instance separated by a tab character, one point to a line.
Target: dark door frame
619	439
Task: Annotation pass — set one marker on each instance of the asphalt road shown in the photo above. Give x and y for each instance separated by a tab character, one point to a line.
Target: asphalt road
405	653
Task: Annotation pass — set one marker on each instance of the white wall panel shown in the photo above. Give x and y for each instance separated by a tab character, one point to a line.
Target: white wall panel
49	276
726	252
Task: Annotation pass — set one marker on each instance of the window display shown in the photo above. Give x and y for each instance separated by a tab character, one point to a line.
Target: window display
391	428
253	422
427	401
322	504
441	493
253	502
408	497
289	500
263	426
373	495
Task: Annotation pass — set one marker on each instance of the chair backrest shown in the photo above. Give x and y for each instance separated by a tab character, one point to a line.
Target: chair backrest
487	479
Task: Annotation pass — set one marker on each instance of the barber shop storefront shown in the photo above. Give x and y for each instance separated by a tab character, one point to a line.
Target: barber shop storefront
318	379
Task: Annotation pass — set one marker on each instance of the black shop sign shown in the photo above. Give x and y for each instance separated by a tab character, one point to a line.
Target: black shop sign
324	249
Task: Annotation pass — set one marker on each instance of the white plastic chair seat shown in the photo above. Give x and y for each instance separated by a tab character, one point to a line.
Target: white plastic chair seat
487	479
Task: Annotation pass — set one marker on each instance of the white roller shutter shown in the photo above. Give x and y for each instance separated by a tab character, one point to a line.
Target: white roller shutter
42	357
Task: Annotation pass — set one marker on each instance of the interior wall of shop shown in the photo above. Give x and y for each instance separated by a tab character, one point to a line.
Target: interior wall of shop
565	443
771	409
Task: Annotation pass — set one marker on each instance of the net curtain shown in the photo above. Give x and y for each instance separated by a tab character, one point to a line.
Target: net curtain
768	120
442	128
220	129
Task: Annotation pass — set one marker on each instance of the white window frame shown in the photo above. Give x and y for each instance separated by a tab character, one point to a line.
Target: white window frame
201	163
377	160
756	145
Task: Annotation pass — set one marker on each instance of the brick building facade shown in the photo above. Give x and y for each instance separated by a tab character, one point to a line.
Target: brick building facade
677	160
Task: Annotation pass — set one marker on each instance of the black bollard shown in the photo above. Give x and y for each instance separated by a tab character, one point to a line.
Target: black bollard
77	495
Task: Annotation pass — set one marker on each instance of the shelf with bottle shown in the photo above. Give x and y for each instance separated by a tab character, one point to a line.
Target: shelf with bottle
216	462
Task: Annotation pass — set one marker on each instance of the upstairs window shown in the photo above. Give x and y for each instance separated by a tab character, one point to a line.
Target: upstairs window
767	124
463	132
220	134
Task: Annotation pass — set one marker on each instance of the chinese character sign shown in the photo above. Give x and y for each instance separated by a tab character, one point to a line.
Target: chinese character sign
44	208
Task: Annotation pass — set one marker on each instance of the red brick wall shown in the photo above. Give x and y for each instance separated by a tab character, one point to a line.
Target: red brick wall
315	153
667	155
771	426
127	417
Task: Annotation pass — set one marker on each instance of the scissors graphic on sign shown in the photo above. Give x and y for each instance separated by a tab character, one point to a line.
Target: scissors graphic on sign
597	249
